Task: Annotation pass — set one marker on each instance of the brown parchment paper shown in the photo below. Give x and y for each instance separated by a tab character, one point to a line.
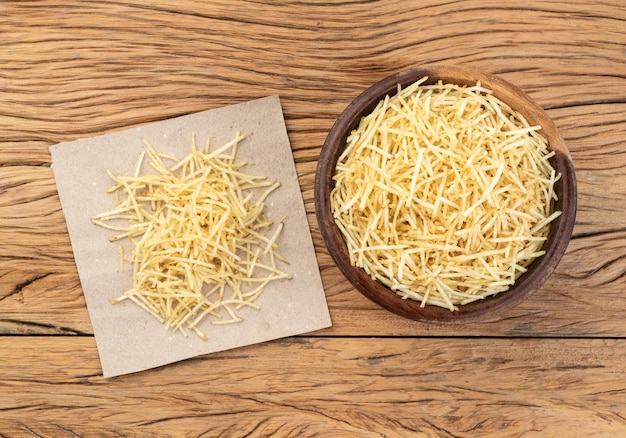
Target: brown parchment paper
128	338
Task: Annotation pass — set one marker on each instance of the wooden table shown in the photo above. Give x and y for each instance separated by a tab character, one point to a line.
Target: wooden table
555	365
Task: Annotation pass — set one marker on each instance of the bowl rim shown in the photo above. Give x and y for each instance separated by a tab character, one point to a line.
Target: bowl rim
560	232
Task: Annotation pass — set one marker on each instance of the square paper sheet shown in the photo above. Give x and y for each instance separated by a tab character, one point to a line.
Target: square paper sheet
128	338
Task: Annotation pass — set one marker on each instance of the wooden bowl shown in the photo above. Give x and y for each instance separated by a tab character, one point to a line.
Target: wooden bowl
565	189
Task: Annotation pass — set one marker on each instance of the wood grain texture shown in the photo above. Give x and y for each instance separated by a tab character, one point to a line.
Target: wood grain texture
83	69
553	364
350	388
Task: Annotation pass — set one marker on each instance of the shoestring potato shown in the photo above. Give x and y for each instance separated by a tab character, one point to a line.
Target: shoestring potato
201	244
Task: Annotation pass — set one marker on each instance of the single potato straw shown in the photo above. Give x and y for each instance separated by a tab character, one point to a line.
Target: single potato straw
444	194
201	244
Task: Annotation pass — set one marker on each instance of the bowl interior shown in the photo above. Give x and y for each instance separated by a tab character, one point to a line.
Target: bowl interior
565	189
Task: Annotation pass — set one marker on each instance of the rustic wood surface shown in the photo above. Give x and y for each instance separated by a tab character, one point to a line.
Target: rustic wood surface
553	365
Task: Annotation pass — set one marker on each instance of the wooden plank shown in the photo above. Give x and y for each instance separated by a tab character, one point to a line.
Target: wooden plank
74	79
78	69
52	386
41	291
64	74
